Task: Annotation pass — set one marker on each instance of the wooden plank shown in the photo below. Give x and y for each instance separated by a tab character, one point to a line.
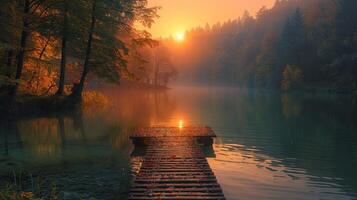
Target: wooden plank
174	168
176	198
177	174
150	132
175	194
167	190
176	185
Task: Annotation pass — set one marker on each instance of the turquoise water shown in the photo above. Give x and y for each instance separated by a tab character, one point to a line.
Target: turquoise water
269	145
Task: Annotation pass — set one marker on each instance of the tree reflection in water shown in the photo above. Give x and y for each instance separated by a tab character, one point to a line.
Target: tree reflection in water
307	140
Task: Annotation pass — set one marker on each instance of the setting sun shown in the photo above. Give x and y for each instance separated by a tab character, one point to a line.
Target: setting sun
180	124
180	36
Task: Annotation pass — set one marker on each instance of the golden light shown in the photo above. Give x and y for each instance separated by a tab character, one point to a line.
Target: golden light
180	36
180	124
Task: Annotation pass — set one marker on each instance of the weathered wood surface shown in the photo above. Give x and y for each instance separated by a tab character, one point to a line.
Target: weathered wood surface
173	132
175	168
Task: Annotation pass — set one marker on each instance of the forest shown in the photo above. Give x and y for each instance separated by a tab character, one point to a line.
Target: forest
57	47
296	44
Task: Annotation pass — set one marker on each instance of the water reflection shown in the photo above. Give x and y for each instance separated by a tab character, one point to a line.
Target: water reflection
270	145
258	176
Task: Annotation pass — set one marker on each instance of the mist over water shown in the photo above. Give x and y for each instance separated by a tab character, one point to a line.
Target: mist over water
269	146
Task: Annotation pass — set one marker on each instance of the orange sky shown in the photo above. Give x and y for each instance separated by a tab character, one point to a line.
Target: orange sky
180	15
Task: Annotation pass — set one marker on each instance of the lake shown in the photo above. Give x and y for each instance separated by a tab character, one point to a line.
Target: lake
269	145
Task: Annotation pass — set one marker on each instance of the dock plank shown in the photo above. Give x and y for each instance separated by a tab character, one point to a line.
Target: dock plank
173	132
174	166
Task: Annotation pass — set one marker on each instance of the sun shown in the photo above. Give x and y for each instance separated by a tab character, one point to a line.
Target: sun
179	36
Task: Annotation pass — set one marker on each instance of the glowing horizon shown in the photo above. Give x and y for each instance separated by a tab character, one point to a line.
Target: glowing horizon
178	16
180	36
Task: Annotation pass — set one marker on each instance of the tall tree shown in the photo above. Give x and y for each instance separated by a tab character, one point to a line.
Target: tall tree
346	26
26	18
64	48
8	41
23	44
111	31
292	40
164	69
79	88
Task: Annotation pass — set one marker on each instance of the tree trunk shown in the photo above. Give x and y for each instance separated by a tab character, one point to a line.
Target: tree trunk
156	66
156	73
78	89
23	42
64	49
156	76
9	59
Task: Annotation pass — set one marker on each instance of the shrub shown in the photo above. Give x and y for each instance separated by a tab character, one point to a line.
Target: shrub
292	78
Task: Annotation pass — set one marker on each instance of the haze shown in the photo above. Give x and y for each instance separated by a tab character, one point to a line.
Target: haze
181	15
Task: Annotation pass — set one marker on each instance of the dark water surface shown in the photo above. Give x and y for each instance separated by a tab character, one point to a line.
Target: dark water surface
269	145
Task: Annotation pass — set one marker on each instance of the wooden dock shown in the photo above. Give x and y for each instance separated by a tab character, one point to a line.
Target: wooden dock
174	166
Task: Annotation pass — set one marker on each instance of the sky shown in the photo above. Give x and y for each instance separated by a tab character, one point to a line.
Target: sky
177	16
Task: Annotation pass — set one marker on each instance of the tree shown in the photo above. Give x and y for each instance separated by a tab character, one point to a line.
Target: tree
140	65
23	44
164	69
346	26
8	47
77	92
111	30
63	48
342	70
292	40
26	19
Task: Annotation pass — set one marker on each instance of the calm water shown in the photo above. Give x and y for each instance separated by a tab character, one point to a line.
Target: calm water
269	145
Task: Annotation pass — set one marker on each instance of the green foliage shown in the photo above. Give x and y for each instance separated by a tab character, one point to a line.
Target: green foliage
343	73
292	46
265	71
115	34
31	43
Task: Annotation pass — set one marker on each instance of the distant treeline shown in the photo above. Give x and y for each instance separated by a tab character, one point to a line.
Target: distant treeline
295	44
152	66
50	47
